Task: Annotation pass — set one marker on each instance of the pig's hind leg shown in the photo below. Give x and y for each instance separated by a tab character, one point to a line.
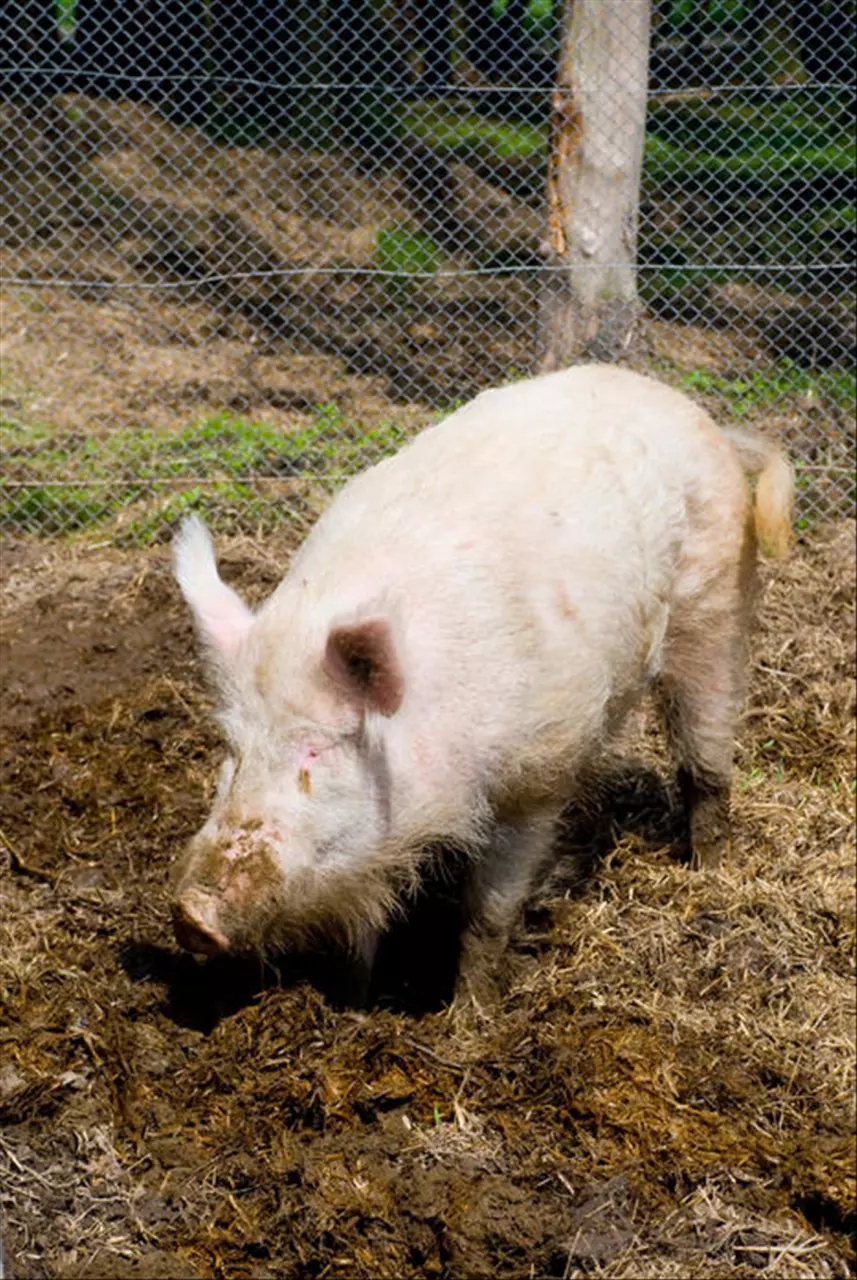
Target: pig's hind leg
701	689
498	884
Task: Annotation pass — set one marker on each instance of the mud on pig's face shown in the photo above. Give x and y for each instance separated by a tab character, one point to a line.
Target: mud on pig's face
294	841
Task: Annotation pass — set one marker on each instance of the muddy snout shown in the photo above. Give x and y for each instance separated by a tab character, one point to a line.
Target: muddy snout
195	924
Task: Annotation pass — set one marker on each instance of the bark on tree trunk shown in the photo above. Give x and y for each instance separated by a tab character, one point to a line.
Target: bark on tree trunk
589	306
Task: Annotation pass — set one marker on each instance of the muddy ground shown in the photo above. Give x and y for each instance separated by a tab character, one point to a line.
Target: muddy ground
665	1091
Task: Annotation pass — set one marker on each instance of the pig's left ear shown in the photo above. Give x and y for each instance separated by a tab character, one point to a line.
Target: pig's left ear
362	660
221	616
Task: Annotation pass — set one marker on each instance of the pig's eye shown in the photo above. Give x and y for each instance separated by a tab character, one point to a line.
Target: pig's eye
304	784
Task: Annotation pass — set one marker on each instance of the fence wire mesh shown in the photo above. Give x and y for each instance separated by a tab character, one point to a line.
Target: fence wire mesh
248	247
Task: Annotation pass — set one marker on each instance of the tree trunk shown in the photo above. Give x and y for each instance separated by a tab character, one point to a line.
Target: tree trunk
589	297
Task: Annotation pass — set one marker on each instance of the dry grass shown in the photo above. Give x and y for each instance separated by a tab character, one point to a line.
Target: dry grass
666	1091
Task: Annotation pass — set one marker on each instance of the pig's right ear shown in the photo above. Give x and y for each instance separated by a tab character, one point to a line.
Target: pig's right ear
221	616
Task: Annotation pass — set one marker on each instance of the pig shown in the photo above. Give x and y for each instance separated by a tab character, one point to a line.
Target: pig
459	638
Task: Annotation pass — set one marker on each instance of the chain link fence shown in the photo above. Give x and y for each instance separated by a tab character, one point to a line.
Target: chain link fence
249	246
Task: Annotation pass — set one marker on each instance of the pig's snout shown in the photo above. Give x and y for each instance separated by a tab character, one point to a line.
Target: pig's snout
195	924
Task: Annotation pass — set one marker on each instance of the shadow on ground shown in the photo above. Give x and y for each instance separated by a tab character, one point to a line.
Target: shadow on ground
417	963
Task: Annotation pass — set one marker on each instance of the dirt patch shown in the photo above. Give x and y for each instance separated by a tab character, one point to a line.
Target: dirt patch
667	1089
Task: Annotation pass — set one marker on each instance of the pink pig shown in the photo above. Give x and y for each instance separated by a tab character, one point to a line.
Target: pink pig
462	633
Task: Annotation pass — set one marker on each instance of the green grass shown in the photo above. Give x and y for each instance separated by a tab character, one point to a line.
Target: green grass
799	132
66	11
537	19
406	256
221	465
465	135
763	387
760	159
730	141
833	392
250	475
793	161
56	508
231	507
466	132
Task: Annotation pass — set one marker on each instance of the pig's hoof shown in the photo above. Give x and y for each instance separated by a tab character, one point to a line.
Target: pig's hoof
195	927
476	997
710	837
707	856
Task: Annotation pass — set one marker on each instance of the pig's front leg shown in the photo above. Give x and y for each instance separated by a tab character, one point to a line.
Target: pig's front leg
352	986
498	885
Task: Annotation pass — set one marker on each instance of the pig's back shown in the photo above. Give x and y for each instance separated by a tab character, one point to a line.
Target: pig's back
525	549
592	459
